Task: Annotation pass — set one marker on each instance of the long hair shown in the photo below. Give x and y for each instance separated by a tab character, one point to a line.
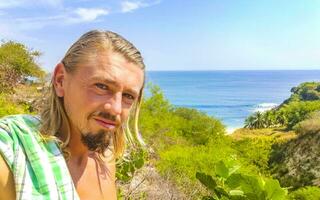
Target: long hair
89	44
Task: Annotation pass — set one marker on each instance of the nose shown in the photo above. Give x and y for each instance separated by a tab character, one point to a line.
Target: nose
114	105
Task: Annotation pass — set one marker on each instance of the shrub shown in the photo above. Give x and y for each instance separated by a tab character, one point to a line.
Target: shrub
16	63
254	153
9	108
296	112
310	125
306	193
229	184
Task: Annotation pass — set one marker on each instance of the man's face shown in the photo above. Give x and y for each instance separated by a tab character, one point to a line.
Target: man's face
99	95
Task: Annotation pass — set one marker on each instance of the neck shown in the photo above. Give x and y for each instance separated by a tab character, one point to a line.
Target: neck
76	148
78	151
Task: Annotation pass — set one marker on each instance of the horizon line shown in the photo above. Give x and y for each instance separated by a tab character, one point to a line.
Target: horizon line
191	70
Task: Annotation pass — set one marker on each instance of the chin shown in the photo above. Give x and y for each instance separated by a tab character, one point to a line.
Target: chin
98	141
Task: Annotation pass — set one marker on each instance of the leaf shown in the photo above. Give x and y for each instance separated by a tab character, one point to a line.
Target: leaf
206	180
274	190
233	181
248	184
221	192
234	169
222	170
138	163
236	192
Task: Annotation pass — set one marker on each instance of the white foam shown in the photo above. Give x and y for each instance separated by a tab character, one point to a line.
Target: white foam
263	107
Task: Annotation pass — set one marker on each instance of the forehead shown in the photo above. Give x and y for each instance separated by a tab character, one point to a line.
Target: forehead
112	67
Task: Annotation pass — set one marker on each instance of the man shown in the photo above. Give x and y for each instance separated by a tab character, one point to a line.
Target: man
69	153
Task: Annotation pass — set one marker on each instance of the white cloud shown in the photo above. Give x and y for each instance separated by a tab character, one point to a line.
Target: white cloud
80	15
89	14
19	23
5	4
129	6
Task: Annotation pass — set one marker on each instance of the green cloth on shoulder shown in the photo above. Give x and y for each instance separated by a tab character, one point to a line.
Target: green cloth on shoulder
39	168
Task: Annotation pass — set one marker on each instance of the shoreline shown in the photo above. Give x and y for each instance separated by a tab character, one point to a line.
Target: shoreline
231	130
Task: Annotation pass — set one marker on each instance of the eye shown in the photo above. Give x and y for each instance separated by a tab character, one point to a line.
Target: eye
101	86
128	96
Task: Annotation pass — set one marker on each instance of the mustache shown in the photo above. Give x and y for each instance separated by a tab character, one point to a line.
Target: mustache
105	115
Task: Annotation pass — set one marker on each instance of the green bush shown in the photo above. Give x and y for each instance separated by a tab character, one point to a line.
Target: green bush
254	153
134	160
161	123
197	127
310	125
16	63
308	91
9	108
229	184
296	112
180	162
306	193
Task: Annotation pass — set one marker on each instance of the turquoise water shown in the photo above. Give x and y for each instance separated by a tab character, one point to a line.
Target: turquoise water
229	95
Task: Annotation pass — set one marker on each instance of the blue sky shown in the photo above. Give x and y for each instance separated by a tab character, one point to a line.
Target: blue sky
176	34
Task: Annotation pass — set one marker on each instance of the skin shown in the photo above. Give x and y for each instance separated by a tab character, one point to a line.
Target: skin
108	83
7	187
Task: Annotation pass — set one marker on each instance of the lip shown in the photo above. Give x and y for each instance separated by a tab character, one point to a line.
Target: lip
106	123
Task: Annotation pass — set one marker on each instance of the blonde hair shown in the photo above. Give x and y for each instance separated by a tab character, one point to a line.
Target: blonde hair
90	44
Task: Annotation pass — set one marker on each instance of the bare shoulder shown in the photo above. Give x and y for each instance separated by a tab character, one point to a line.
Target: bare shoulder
6	181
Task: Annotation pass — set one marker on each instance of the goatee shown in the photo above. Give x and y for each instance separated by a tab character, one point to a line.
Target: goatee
98	142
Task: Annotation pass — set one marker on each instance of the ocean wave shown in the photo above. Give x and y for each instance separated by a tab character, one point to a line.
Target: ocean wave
262	107
214	106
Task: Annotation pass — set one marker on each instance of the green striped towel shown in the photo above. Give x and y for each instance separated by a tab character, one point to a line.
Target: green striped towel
39	168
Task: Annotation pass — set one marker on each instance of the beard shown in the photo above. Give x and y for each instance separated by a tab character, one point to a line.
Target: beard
97	142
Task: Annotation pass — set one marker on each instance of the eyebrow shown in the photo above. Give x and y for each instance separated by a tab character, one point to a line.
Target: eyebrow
109	80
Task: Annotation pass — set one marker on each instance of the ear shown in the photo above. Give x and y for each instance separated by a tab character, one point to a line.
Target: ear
59	79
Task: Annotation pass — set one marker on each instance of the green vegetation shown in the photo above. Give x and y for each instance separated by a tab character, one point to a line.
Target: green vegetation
303	101
16	63
309	125
188	141
229	184
307	193
7	107
134	160
308	91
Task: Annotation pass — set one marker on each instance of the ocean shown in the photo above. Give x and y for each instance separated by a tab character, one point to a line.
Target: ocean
230	96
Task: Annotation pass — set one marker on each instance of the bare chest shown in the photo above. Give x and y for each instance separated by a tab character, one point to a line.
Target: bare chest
93	181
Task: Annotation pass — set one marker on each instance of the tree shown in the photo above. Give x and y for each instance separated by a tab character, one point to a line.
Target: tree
257	120
16	63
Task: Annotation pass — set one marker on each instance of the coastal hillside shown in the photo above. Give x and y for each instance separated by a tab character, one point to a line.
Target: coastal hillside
296	163
294	156
308	91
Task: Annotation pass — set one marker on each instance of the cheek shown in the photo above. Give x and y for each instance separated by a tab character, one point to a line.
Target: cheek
78	102
125	114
